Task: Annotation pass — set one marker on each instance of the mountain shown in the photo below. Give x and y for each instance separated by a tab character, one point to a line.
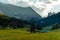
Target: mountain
50	20
25	13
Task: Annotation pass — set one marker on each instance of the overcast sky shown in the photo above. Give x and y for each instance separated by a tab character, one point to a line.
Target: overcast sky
42	7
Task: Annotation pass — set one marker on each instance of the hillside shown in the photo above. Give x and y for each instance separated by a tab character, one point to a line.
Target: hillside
6	21
50	20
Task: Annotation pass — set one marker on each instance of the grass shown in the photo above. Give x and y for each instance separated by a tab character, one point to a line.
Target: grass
18	34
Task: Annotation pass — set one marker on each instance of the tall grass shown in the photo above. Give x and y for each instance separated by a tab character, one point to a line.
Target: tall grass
18	34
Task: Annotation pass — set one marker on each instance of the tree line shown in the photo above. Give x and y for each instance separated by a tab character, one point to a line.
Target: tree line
15	23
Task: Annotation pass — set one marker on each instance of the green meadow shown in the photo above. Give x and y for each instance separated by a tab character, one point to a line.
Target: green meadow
18	34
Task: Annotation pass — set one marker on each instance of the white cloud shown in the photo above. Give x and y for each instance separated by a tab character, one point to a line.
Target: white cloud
42	7
12	1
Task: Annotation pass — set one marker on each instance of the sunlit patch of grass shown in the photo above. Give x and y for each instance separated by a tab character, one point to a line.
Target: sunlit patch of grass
18	34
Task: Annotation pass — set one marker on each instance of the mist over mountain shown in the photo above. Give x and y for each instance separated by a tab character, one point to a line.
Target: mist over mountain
18	12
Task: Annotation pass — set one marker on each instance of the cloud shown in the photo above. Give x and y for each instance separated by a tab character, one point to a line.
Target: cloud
42	7
22	4
12	1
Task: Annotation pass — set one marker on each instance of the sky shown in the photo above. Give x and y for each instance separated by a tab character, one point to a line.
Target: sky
42	7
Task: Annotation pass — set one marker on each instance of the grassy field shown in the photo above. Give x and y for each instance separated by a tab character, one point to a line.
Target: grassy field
23	35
